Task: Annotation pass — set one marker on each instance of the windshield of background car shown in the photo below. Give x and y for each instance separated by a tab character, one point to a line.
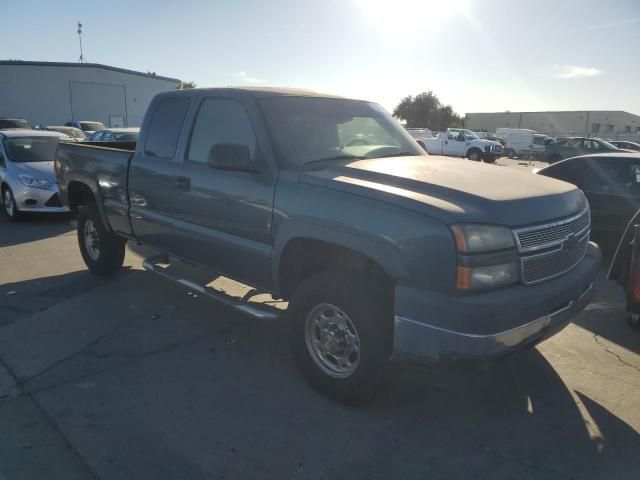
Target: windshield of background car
31	149
310	129
126	137
92	126
469	135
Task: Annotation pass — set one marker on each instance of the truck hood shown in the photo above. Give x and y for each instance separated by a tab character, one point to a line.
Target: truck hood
454	190
35	169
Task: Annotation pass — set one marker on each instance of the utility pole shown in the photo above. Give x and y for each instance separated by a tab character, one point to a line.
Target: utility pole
82	59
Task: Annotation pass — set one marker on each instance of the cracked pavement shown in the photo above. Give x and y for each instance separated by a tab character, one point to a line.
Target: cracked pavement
135	377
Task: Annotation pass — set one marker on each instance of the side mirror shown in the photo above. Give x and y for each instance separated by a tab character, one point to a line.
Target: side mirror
421	143
231	156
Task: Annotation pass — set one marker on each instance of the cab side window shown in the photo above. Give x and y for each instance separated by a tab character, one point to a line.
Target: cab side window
453	135
221	121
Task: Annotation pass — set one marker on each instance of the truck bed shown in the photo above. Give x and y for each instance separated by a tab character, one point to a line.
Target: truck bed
103	167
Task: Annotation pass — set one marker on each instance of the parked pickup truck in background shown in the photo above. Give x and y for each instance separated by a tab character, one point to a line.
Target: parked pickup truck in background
459	142
383	252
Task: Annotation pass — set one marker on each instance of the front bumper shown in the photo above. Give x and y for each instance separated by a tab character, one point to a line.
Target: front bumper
30	199
487	325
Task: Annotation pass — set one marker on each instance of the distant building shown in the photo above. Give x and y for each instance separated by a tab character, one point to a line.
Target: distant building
603	123
52	93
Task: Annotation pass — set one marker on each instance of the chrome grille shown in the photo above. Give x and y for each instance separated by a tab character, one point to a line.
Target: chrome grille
530	239
545	266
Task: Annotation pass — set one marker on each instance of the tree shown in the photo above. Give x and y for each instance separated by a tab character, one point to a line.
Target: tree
186	85
425	111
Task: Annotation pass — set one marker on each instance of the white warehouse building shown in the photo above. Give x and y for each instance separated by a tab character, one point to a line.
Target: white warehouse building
604	123
53	93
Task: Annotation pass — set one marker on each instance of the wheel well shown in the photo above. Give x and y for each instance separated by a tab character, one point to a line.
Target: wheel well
303	257
79	195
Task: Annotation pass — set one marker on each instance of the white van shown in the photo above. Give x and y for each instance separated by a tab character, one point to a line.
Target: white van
522	142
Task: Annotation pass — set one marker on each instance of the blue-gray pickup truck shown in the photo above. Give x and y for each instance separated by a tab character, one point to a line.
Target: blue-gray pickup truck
381	251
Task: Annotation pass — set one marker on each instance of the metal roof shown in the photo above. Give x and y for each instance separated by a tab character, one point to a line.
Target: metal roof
87	65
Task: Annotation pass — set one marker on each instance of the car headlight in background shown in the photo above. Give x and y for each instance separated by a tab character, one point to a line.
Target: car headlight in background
472	238
478	278
33	182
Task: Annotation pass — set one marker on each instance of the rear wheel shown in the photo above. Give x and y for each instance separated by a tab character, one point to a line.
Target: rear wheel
511	153
9	204
102	251
341	334
554	158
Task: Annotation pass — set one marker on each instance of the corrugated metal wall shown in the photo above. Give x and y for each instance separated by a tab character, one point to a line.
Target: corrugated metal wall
53	95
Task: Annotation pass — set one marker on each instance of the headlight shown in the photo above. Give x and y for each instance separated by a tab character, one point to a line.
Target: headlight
30	181
477	278
482	238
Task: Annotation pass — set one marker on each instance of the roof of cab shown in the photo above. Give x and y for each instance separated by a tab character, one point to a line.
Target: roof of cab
254	91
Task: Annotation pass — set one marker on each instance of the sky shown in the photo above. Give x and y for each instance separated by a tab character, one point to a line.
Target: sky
476	55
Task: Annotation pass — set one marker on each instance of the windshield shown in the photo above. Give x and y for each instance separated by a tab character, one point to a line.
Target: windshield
608	145
126	136
31	149
469	135
91	126
309	130
14	123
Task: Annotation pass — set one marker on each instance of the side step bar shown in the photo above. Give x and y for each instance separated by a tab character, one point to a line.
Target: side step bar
264	312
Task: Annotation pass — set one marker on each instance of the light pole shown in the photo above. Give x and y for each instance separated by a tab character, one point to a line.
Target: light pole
82	59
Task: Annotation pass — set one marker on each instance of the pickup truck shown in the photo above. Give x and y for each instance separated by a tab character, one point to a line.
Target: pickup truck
459	142
381	251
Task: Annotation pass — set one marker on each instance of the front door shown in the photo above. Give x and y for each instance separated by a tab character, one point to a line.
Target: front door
223	210
151	178
455	144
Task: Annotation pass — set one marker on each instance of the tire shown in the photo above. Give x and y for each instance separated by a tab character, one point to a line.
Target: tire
634	321
9	205
357	318
554	158
511	153
475	155
102	252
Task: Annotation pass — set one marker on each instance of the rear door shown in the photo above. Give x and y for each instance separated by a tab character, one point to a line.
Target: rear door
612	186
224	212
151	176
454	144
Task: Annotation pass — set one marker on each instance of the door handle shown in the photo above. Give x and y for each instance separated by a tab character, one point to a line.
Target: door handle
183	183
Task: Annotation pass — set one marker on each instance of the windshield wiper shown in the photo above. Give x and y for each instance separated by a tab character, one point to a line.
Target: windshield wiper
398	154
336	157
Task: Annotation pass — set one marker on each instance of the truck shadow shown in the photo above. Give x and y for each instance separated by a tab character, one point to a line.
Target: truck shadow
33	227
199	380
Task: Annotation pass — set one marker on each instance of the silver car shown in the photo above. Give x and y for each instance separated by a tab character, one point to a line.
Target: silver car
27	181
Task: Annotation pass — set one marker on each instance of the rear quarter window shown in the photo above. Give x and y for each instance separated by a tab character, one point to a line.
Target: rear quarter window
165	127
572	172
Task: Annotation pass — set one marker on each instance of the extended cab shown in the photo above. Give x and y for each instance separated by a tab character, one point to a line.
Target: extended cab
381	250
459	142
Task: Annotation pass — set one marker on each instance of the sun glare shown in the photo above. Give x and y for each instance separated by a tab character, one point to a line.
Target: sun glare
413	15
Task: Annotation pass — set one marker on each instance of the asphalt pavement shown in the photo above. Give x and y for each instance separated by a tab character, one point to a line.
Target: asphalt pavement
134	377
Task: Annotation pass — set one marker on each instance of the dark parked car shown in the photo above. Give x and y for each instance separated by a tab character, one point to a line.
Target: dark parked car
574	146
115	135
626	145
625	269
10	123
611	182
88	126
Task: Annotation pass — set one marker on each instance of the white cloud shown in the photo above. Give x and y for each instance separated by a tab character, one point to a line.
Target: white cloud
602	26
574	71
247	78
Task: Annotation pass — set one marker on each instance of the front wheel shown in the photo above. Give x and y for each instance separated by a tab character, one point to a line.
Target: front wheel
102	251
9	203
475	155
341	334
